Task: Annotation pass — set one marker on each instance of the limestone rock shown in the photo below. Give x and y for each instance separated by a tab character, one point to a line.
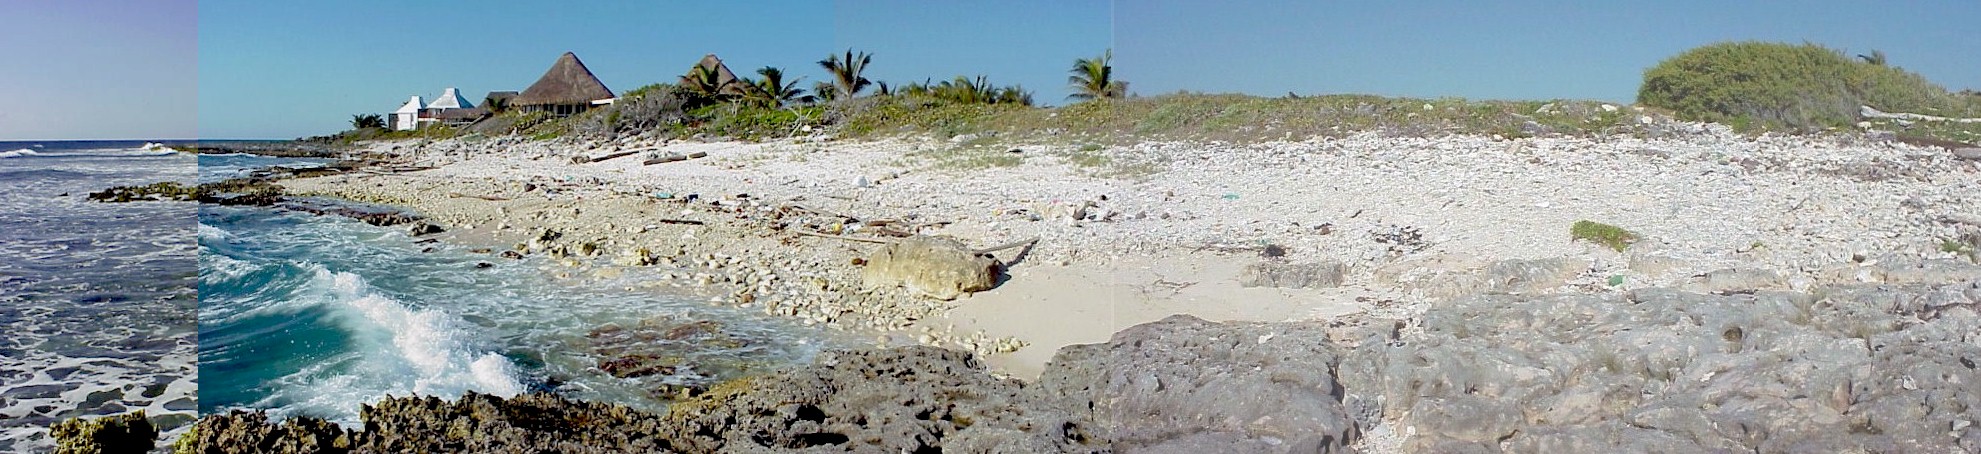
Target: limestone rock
939	268
1183	384
1732	280
1290	275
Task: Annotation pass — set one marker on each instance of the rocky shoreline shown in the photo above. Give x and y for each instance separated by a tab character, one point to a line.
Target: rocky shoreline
1874	368
1786	292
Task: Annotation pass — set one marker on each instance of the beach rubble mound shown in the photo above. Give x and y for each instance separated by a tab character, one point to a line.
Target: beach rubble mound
936	267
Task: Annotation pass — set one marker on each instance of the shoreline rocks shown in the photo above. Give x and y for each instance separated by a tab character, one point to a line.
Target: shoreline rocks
1873	367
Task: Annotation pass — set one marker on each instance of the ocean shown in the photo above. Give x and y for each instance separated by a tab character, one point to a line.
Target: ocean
98	299
316	315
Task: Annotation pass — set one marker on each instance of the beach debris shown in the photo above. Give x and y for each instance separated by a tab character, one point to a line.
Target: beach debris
604	157
935	267
673	157
485	197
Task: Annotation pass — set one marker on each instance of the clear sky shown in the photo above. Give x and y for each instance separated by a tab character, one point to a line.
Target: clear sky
1521	49
97	69
290	69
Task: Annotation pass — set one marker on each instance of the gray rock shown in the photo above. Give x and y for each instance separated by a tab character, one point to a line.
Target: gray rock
1973	154
1289	275
1660	370
1734	280
1183	384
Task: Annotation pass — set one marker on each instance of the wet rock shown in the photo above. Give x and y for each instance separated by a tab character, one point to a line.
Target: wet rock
251	432
125	433
1289	275
166	190
910	399
422	228
665	346
935	267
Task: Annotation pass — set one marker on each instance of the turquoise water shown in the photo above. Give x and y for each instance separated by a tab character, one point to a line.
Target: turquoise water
315	315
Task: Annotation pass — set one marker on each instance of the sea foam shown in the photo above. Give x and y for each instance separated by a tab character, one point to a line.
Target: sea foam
398	350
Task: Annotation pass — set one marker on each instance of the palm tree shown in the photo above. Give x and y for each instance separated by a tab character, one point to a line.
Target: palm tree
1014	95
824	91
773	91
495	105
363	121
846	73
1094	79
704	82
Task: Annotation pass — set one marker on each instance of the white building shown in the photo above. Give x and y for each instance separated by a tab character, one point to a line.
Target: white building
449	99
408	116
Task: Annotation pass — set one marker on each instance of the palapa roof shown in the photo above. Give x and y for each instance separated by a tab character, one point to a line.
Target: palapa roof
450	99
412	106
567	82
723	76
500	96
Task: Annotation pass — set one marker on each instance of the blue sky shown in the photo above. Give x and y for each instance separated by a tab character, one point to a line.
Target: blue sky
291	69
94	69
1524	49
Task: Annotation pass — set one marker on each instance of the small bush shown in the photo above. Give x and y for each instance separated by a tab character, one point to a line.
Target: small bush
1759	85
1604	234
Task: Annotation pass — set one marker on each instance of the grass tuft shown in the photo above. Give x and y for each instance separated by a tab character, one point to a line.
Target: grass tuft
1604	234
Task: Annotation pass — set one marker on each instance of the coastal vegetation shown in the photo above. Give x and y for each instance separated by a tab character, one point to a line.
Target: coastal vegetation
1607	235
846	70
1751	86
363	121
1094	79
1762	86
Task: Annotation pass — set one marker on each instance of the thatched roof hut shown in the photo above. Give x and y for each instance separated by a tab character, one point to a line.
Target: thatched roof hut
724	78
567	88
503	97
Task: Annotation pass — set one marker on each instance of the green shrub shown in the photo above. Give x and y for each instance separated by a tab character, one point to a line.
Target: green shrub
1604	234
1760	85
754	122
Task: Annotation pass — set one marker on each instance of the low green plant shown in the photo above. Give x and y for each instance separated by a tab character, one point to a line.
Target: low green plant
1954	246
1604	234
1777	86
